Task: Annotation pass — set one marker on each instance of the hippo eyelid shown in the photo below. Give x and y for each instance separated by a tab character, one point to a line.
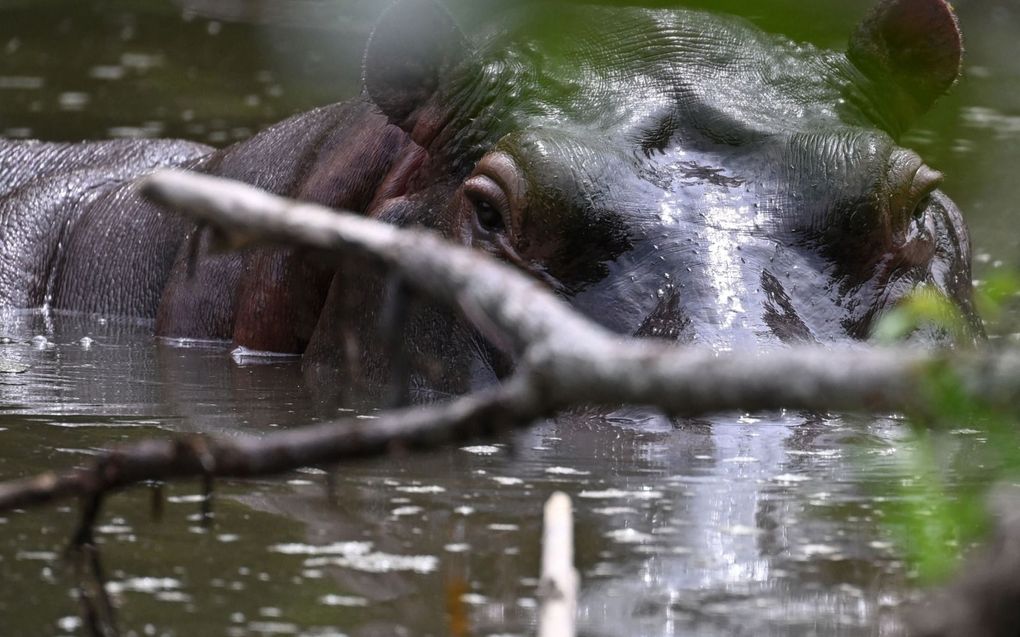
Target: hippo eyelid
923	184
497	183
925	181
502	169
913	183
490	202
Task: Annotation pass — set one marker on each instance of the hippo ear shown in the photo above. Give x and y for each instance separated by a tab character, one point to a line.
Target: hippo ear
914	46
415	42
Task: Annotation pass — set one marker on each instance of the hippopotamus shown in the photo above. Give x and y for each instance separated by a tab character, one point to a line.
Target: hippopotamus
670	173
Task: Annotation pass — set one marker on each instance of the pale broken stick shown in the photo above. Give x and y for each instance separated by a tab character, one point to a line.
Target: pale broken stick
557	589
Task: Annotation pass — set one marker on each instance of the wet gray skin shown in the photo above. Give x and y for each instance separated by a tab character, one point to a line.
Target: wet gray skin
671	173
681	175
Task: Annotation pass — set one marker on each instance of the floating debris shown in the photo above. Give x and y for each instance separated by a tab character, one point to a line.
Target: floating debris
629	536
740	530
408	510
45	556
69	623
10	367
337	548
422	489
107	72
73	101
21	82
482	450
242	356
615	510
379	562
144	585
616	494
343	600
273	628
790	478
507	481
566	471
819	550
186	499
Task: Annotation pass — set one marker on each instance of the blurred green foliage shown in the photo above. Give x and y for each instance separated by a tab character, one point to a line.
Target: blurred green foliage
942	509
925	308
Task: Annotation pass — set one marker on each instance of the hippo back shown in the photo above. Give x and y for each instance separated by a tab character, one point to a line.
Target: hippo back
46	188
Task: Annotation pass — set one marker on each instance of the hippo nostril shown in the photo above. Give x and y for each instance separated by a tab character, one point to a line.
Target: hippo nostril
667	320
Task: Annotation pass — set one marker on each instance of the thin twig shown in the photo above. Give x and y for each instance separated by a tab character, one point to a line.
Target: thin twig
83	554
483	414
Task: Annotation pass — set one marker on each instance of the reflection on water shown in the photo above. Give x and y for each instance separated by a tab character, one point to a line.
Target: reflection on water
764	525
740	525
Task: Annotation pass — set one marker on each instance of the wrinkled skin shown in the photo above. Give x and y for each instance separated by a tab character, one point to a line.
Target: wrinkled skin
672	174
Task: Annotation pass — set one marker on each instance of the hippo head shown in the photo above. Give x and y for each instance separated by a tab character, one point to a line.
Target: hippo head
679	175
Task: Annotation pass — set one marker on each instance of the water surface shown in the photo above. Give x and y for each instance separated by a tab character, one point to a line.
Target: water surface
739	525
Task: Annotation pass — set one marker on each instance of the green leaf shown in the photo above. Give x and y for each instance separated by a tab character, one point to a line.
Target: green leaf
925	306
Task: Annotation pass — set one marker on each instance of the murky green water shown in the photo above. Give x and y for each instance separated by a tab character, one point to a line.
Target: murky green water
768	525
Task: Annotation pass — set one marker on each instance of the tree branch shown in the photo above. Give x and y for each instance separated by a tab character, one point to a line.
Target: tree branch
566	359
478	415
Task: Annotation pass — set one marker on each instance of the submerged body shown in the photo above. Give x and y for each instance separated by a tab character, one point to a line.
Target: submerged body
671	173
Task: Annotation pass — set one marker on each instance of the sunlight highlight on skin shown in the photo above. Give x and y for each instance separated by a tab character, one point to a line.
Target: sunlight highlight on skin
724	272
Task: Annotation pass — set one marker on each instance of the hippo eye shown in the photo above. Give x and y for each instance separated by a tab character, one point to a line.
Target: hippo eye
489	201
488	216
